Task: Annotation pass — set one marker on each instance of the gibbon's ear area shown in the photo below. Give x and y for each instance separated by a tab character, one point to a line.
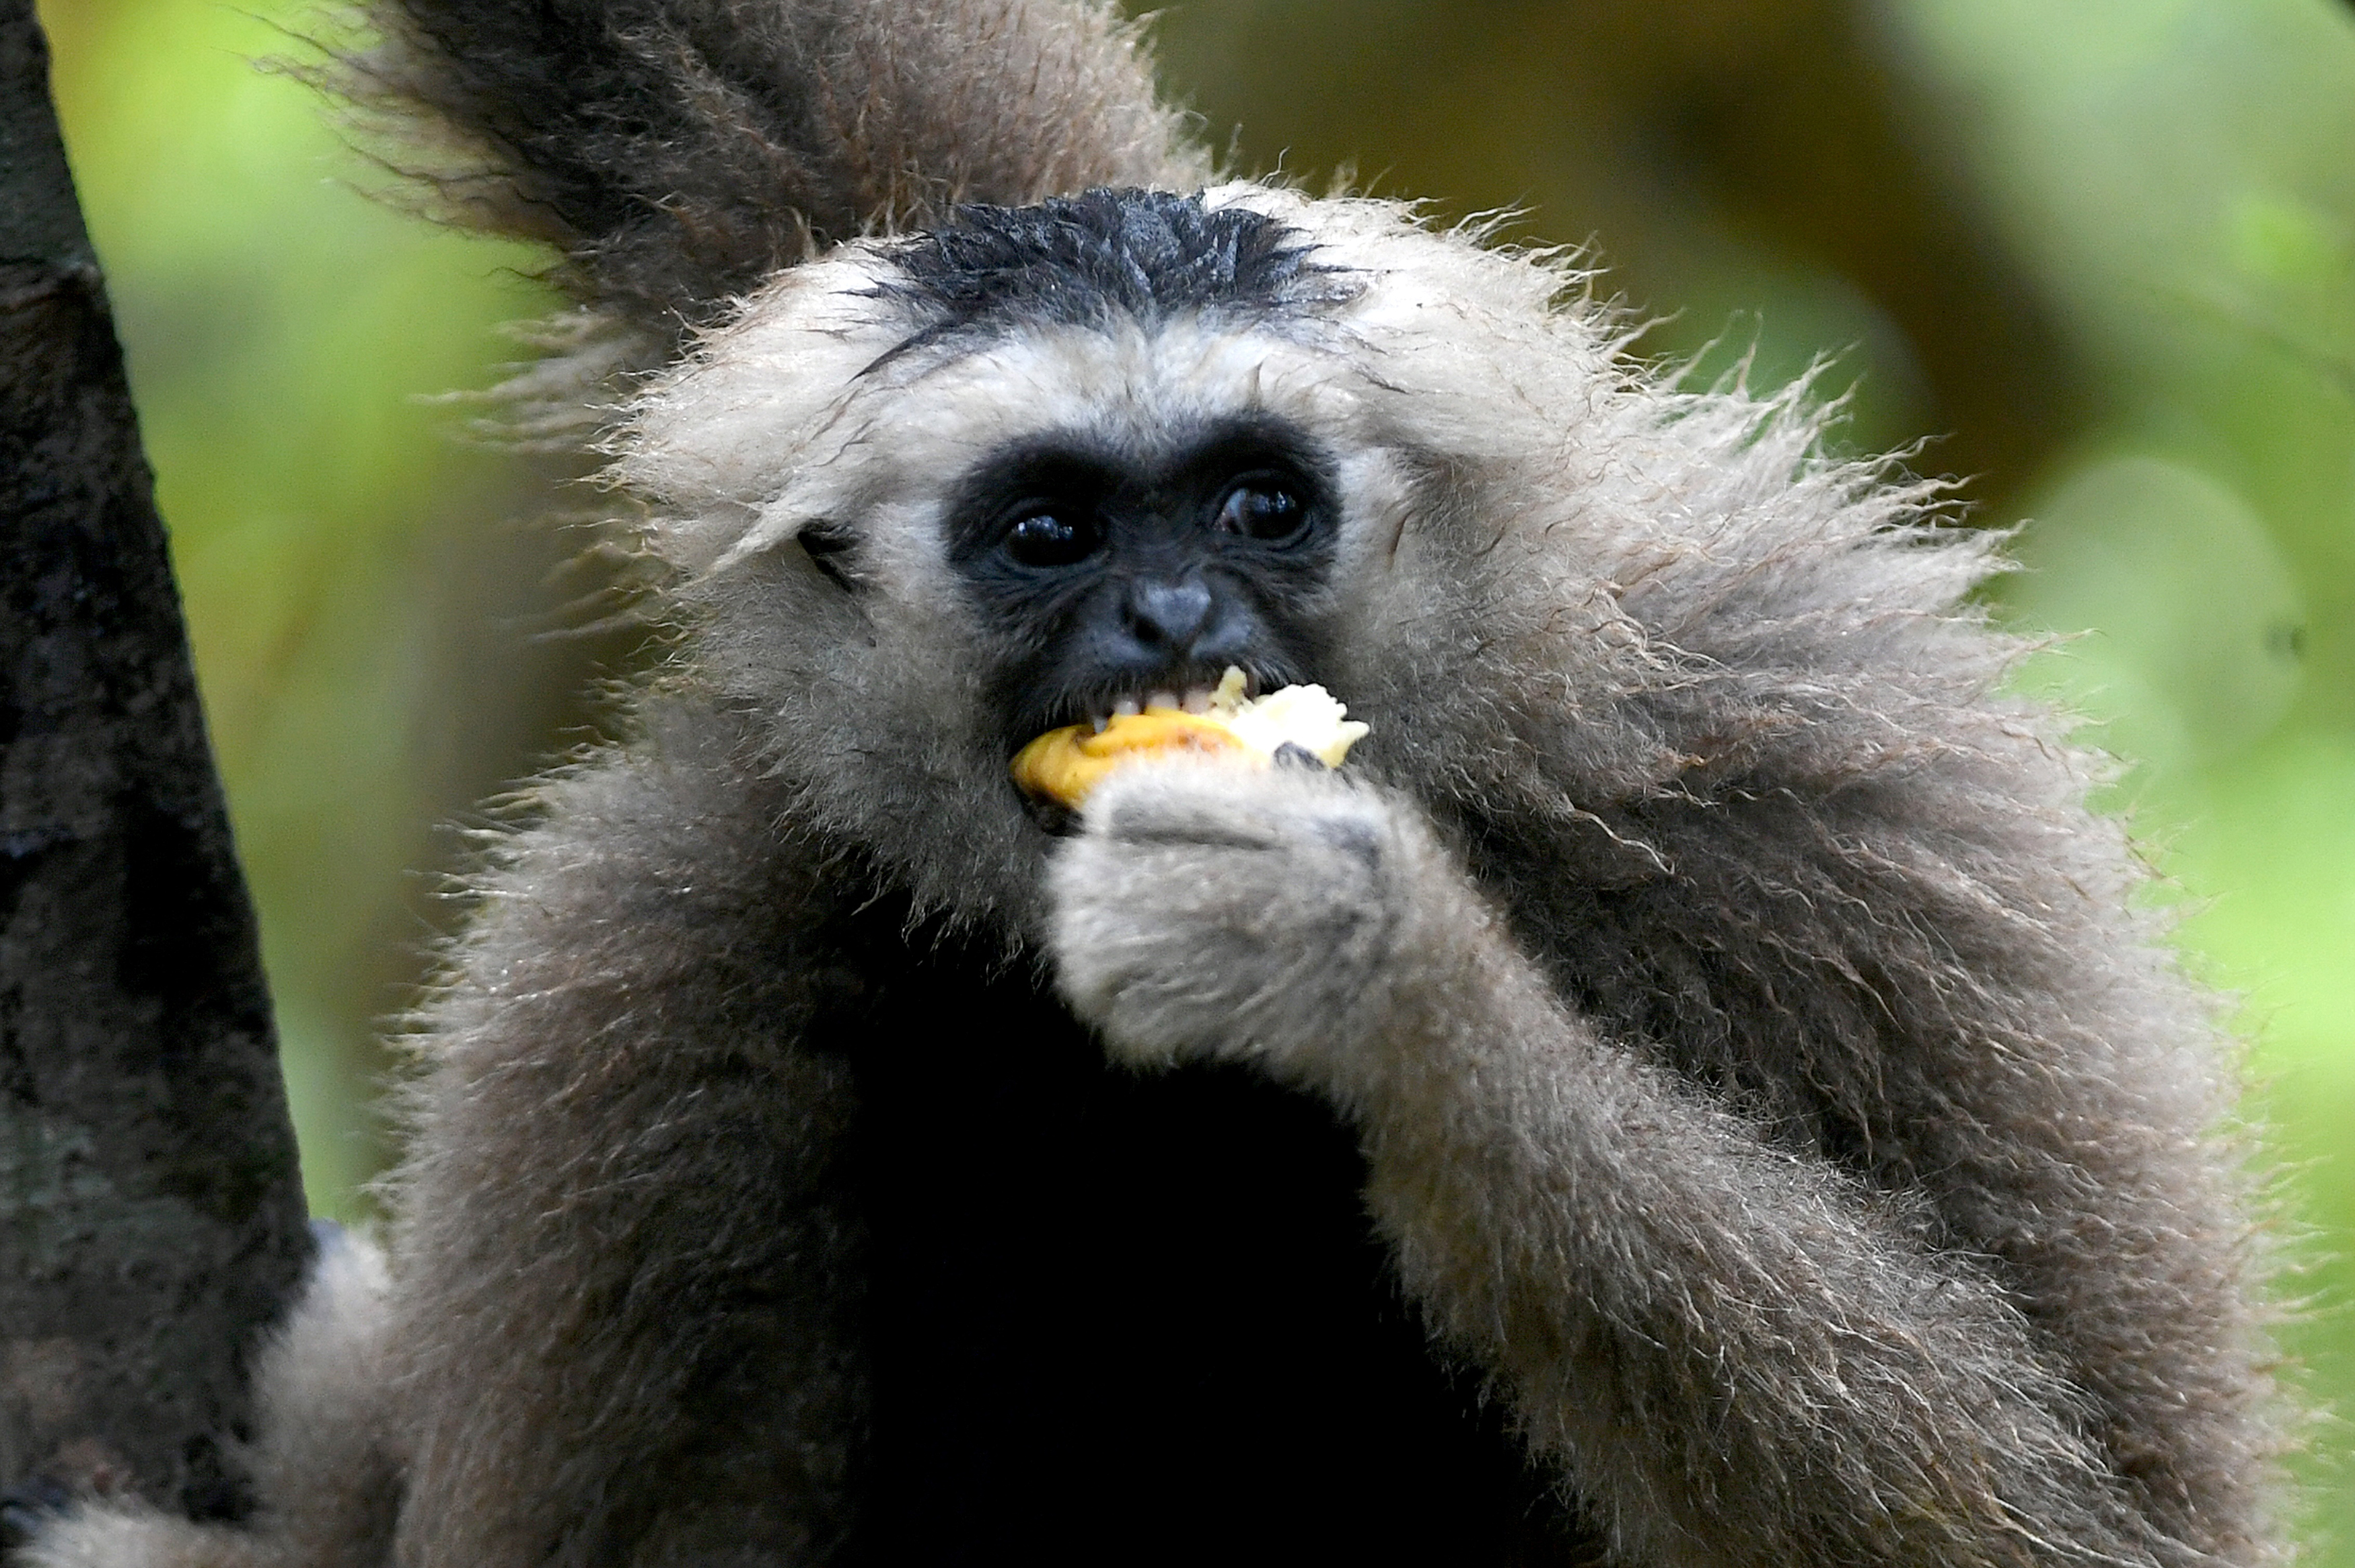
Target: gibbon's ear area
826	544
1105	574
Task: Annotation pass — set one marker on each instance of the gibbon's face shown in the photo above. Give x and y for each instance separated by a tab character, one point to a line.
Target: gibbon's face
931	497
1115	575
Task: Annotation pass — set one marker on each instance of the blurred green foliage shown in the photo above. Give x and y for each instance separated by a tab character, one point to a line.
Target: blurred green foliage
2104	252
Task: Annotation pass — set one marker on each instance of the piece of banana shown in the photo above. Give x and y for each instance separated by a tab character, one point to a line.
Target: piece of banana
1063	764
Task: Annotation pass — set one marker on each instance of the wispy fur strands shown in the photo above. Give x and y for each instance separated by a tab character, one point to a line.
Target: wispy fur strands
675	153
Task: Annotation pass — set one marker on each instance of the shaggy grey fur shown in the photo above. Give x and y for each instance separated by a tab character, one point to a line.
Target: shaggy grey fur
1762	1077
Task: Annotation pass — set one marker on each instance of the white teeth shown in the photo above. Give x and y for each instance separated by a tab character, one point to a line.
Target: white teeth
1195	700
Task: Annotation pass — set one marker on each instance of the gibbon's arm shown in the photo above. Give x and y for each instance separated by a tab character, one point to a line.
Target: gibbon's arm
1738	1355
320	1454
677	153
618	1314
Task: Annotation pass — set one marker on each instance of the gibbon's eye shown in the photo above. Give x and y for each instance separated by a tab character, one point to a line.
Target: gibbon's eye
1054	538
1262	507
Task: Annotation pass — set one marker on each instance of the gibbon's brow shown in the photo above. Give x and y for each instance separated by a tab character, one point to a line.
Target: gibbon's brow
1101	256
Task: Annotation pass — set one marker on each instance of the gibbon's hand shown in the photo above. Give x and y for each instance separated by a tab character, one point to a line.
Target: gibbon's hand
1210	911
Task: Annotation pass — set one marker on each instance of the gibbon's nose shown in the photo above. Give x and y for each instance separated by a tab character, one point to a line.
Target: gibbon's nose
1169	617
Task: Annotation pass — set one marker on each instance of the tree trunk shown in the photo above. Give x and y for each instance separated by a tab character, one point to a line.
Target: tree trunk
151	1219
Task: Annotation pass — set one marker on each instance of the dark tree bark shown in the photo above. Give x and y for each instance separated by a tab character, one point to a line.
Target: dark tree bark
151	1219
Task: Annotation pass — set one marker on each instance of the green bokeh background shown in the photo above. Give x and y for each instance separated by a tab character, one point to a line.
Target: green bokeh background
2102	253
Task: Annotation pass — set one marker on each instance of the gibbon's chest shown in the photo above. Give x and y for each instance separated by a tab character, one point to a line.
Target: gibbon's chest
1117	1317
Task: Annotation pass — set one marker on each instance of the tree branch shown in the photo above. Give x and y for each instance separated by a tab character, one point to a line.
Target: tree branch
151	1218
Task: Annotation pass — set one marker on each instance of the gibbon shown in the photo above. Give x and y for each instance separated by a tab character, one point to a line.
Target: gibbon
1693	1090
